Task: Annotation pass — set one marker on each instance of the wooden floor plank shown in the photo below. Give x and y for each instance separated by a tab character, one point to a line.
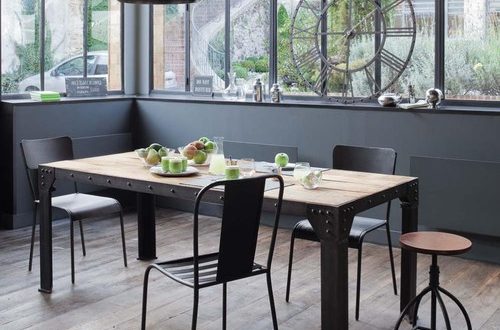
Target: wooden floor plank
107	295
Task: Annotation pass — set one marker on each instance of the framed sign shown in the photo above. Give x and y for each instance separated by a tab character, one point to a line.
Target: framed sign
203	85
79	87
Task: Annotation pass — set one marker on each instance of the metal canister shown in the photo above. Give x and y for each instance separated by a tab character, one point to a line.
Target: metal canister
276	93
257	91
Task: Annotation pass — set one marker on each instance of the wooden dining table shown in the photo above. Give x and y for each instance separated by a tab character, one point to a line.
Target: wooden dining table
330	209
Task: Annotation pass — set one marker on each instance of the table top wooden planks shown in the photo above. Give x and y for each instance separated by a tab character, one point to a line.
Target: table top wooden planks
338	187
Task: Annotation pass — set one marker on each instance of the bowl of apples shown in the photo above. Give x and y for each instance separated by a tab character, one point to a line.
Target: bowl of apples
152	155
198	152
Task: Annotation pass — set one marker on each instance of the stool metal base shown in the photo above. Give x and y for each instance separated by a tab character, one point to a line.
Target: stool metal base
435	291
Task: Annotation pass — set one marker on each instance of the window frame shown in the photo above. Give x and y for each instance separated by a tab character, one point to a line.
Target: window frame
439	56
85	30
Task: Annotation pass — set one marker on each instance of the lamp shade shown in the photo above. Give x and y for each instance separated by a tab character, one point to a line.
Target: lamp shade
158	2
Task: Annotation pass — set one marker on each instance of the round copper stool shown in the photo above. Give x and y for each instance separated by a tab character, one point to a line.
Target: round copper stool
434	243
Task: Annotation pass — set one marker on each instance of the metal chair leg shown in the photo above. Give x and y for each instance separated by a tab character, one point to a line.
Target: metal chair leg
290	261
224	305
82	238
195	308
459	304
443	309
358	281
123	240
415	309
72	239
33	227
145	297
391	257
271	299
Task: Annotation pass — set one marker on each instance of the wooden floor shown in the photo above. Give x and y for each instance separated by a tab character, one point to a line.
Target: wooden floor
107	295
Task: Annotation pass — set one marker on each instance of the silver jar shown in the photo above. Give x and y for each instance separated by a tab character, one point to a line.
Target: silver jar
276	93
257	91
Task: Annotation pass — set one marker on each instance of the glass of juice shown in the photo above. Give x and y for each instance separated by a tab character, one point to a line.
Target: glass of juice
164	163
175	165
232	172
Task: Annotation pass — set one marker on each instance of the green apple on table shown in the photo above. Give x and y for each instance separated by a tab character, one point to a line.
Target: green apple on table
200	157
281	159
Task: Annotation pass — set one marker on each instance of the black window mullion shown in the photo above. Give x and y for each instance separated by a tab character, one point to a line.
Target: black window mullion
439	43
273	43
85	35
187	48
122	47
227	41
42	44
151	48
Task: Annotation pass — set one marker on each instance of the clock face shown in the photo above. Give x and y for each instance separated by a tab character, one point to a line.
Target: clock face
352	50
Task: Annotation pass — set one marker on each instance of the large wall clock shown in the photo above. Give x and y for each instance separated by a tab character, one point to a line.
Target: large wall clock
352	50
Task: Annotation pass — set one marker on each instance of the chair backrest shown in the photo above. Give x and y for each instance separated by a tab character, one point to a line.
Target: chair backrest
259	152
241	214
42	151
365	159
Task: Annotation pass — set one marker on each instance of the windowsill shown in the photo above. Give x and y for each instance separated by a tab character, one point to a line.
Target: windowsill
28	101
287	103
305	103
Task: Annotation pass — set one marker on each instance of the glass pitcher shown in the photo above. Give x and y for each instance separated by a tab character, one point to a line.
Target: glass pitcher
218	162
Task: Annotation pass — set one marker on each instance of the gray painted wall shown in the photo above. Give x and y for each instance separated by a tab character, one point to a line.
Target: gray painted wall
430	135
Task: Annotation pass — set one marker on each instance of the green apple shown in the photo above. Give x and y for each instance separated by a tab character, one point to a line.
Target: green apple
153	158
281	159
163	152
210	146
200	157
204	139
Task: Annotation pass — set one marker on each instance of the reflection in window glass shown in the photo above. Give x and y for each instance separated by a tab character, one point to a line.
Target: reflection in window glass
207	40
64	39
63	43
169	47
20	45
472	65
104	40
250	22
288	76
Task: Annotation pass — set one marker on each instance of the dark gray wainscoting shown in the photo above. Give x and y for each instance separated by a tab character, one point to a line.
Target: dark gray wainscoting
438	134
97	127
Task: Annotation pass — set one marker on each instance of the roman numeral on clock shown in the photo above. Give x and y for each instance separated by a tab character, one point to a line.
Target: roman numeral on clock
399	32
392	60
307	59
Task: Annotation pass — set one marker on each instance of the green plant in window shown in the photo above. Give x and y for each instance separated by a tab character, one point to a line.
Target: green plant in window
240	71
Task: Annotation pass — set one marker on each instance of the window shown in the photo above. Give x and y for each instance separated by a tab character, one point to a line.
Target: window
472	66
71	31
235	35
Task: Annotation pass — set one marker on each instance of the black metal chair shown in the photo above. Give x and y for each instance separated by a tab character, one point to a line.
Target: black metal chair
363	159
78	206
242	209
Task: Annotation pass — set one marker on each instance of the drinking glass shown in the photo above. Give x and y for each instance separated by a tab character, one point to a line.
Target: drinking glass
247	167
312	179
301	169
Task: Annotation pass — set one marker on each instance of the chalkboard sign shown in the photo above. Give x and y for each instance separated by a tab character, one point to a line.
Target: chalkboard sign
78	87
203	85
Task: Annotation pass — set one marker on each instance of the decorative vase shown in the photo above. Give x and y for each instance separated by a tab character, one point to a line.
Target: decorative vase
231	92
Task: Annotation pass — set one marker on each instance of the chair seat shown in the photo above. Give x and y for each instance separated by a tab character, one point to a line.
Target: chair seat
360	227
182	270
81	206
429	242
